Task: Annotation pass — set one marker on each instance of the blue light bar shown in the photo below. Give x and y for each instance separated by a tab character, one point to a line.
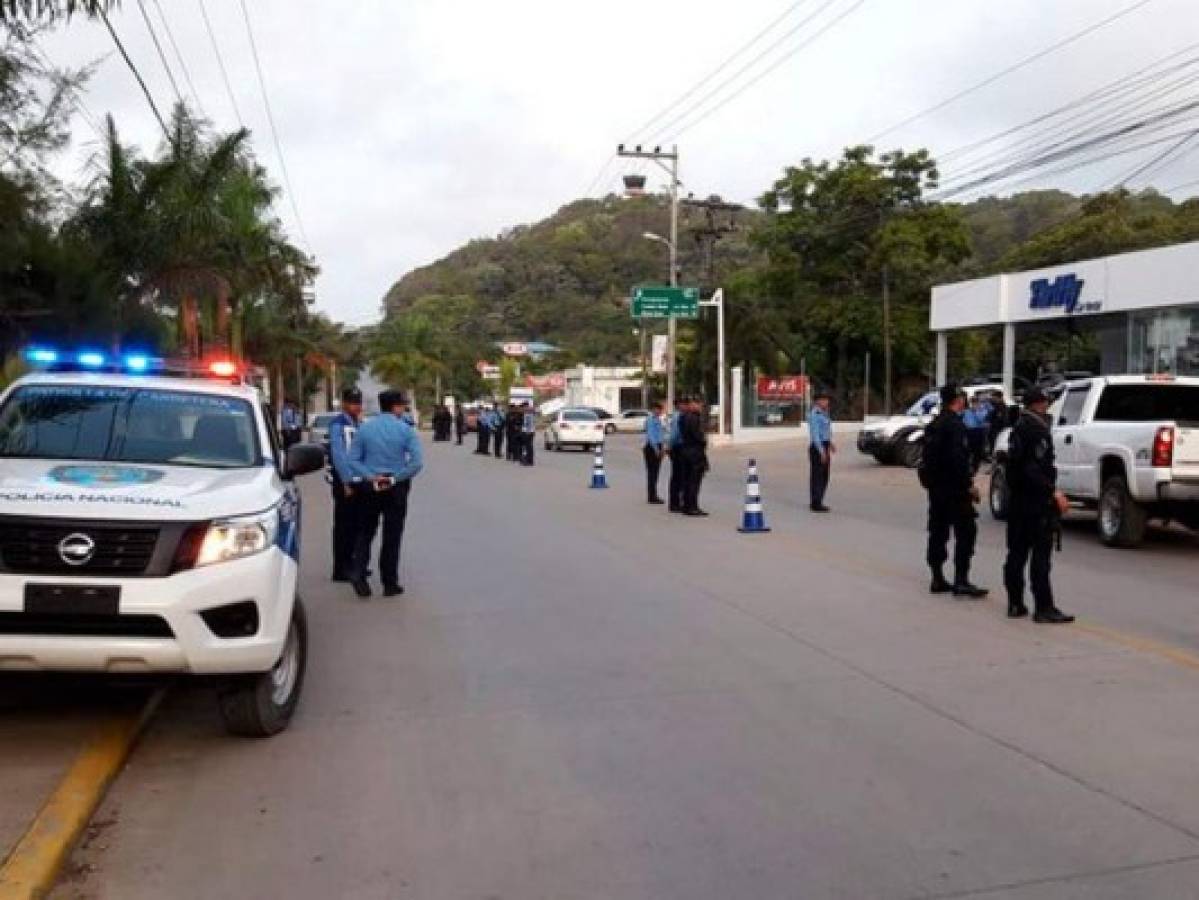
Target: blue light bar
137	362
42	356
90	359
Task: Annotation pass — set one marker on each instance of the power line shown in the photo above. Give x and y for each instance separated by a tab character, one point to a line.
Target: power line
136	74
216	49
187	76
1116	87
803	23
828	26
1159	158
774	23
1027	61
1059	155
161	56
1088	121
270	115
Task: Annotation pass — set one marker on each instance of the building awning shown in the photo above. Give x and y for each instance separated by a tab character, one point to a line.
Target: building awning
1147	279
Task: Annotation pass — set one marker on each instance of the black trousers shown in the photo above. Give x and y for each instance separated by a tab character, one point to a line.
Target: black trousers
677	480
978	446
954	514
1029	535
818	478
347	514
459	432
484	440
695	466
516	446
527	443
499	442
392	507
653	466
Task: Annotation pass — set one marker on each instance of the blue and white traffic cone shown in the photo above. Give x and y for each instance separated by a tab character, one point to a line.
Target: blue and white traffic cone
753	520
598	478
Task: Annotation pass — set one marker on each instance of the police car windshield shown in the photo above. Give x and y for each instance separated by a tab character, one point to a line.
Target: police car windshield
924	405
128	424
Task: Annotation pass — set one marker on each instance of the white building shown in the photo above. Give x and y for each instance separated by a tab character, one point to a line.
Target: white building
614	388
1143	307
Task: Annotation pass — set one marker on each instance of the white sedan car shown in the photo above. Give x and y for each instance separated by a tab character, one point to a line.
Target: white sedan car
631	421
573	428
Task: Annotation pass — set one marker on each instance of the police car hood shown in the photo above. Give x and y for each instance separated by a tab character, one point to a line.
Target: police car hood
132	492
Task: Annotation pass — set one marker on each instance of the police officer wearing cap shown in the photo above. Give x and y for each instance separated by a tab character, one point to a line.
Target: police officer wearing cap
947	474
386	455
347	500
1034	507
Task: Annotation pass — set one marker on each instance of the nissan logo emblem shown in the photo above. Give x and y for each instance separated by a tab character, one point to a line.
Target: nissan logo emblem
76	549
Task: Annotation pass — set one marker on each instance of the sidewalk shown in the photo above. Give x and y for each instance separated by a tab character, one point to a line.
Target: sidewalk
45	722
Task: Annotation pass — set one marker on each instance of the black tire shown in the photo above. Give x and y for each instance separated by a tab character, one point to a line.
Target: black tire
610	428
881	458
547	441
999	494
910	453
262	704
1121	519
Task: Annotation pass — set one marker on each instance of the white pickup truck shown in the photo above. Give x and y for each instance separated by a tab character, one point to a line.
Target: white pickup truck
1127	445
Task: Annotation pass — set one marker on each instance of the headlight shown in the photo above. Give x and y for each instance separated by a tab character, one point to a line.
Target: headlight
230	539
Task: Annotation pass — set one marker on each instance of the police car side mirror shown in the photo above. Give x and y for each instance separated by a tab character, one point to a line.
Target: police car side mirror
302	459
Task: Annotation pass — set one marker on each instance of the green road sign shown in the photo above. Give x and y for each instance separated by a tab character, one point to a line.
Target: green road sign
653	301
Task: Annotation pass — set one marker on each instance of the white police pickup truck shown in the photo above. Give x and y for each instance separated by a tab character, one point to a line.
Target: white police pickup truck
1126	445
900	439
149	522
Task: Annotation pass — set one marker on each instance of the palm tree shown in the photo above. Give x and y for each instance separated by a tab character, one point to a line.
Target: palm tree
404	352
50	10
191	231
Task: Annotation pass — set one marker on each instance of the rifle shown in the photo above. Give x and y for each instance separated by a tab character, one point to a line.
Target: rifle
1054	524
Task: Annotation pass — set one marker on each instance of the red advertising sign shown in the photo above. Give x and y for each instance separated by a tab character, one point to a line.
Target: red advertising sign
554	381
782	388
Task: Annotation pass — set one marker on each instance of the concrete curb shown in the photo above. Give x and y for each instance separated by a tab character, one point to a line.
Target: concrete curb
33	866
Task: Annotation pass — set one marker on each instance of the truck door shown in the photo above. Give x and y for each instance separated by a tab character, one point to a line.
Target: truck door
1070	478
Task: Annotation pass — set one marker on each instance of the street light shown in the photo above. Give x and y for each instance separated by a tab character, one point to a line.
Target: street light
670	324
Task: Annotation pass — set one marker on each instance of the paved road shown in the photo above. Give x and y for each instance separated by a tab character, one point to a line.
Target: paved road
583	697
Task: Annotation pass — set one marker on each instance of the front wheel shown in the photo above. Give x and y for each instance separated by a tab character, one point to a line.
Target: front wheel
911	453
609	429
1121	519
999	494
262	704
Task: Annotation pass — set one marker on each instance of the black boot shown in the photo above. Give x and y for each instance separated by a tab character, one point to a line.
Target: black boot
964	590
1016	608
939	584
1052	616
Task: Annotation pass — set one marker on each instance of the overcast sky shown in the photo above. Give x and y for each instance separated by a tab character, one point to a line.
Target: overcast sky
412	126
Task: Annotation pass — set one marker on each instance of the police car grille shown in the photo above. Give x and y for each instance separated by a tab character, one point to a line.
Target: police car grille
31	548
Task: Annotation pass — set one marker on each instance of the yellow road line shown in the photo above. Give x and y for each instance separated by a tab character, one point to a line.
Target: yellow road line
32	867
1143	645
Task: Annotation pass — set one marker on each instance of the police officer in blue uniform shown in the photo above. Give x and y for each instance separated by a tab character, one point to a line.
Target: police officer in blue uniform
291	425
346	486
820	451
386	455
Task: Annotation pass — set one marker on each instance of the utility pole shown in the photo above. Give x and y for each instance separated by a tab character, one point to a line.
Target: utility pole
886	341
706	236
661	157
644	366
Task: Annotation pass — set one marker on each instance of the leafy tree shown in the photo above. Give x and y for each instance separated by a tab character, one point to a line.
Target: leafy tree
831	232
